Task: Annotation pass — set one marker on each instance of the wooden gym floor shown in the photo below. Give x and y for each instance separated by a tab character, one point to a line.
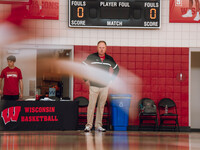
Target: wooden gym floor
115	140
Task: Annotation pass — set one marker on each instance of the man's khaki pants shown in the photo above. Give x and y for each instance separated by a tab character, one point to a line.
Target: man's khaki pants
96	93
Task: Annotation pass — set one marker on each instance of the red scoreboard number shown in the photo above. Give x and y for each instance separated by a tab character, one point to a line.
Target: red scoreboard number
114	14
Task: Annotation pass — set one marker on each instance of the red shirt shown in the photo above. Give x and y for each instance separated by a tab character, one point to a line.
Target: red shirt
11	80
102	58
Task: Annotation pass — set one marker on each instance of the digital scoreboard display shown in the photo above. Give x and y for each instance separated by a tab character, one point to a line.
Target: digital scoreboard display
114	13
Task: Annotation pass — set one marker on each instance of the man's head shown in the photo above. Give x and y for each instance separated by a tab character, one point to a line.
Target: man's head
101	48
11	60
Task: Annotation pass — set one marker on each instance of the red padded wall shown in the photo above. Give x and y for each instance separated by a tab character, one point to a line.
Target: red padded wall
158	68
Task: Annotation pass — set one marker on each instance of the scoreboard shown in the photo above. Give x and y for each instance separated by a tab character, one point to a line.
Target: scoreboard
115	13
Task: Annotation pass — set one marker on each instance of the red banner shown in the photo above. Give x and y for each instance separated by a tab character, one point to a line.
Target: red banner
184	11
15	1
43	9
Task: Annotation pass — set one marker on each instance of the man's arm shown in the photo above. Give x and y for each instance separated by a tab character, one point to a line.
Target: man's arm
86	62
21	88
115	69
115	73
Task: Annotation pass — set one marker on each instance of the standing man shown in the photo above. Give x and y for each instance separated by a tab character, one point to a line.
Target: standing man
12	80
99	92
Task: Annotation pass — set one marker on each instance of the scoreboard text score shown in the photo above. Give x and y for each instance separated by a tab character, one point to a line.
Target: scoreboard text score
114	13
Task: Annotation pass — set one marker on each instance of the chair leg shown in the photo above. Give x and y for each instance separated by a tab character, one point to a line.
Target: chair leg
156	123
108	122
140	124
161	123
177	124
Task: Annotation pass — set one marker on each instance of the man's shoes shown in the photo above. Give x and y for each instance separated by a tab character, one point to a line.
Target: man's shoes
87	129
188	14
100	129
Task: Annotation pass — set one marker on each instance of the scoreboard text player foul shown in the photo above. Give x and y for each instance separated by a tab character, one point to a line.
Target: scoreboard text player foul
114	13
